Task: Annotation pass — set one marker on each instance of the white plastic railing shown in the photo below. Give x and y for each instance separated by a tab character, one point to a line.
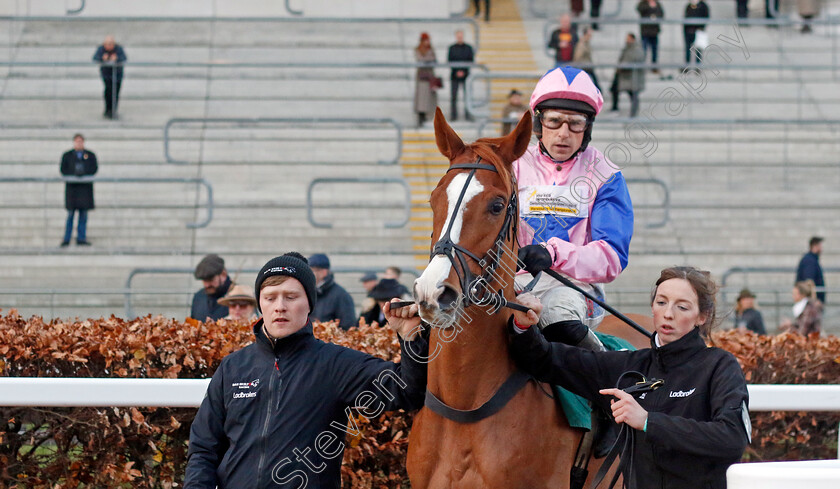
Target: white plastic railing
50	391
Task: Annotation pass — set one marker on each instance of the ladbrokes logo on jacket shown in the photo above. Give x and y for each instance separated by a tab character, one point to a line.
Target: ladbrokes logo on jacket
682	393
245	385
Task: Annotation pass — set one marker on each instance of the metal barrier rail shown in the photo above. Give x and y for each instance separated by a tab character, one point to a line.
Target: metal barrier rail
97	392
318	181
245	64
791	270
200	181
666	200
338	20
77	10
261	120
128	291
287	4
55	293
474	107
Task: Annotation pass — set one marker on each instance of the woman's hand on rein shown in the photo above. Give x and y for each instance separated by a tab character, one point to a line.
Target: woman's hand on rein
533	315
626	409
405	320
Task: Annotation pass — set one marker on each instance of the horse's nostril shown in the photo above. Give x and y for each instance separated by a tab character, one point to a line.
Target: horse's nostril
447	298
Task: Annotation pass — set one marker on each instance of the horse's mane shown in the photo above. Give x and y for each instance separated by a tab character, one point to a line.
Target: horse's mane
487	149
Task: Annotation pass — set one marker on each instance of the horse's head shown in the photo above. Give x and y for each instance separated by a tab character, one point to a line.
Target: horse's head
475	218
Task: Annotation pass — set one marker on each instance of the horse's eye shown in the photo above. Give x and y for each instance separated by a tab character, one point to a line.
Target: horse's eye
497	207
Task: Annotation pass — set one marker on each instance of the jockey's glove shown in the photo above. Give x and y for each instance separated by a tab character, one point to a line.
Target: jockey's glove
534	258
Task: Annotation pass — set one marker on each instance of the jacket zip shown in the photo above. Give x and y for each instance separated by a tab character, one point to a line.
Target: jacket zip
264	435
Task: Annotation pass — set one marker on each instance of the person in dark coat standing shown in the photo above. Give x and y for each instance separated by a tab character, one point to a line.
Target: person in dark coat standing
213	275
460	52
110	57
333	301
385	290
696	9
78	197
650	9
809	266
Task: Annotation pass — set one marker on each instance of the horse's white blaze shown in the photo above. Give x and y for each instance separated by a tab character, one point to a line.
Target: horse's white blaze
428	285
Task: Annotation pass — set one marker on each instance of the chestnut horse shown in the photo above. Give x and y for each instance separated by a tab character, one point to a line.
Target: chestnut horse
524	441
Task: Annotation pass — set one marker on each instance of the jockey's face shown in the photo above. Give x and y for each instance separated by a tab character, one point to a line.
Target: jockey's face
561	143
675	310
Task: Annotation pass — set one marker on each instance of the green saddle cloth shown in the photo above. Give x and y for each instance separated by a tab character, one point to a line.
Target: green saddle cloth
577	409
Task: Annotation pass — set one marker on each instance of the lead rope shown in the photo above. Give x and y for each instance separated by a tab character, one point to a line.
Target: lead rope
625	433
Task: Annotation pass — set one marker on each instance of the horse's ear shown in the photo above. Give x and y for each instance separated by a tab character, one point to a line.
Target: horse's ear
448	141
514	144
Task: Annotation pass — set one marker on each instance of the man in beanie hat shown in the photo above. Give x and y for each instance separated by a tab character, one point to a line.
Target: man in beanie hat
211	271
333	301
278	409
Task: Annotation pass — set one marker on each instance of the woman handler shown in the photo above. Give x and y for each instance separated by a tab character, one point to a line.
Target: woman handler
689	430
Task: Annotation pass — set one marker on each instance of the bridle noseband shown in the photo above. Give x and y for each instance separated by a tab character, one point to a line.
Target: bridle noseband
476	288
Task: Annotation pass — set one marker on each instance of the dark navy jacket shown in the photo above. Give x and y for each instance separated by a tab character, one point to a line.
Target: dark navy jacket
696	427
207	306
277	415
809	268
334	303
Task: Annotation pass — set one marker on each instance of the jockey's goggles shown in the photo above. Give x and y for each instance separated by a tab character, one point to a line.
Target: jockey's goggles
555	120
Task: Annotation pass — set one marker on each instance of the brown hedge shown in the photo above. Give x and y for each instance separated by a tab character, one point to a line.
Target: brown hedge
146	447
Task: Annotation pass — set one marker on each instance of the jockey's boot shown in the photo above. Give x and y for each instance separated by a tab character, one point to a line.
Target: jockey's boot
573	332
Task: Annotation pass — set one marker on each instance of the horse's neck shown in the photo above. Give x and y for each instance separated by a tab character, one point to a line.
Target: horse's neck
472	365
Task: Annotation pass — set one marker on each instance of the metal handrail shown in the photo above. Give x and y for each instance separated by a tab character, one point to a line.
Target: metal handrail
338	20
190	225
462	12
129	310
791	270
666	199
516	75
391	225
78	10
287	4
262	120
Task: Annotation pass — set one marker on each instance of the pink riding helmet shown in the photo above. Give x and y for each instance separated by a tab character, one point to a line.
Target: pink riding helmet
567	88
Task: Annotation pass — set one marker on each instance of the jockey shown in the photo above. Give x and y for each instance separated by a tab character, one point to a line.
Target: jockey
575	211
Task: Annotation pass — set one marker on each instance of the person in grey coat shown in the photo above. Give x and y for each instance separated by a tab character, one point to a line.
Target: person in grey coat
631	80
78	197
425	88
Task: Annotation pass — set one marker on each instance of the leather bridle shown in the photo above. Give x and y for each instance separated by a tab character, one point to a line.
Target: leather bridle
476	288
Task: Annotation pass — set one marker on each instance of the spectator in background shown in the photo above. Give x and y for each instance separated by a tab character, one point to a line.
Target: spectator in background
241	303
808	9
369	281
771	7
425	93
809	266
650	9
630	80
78	197
747	317
211	271
334	303
696	9
807	310
385	290
110	57
595	12
576	6
395	273
583	56
477	5
513	111
460	52
563	41
741	9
